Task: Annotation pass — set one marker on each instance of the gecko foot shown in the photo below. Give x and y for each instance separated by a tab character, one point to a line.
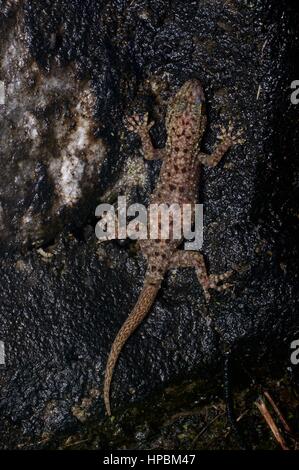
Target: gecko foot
230	137
213	282
139	124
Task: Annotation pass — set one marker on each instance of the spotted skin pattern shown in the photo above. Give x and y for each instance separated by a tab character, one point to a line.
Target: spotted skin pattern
178	183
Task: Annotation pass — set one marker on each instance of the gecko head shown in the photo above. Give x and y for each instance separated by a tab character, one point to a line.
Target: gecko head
188	106
193	92
193	95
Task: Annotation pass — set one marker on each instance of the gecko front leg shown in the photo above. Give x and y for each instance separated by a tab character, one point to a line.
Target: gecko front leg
227	140
140	125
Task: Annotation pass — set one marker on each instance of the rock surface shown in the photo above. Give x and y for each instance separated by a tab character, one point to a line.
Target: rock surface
72	71
48	148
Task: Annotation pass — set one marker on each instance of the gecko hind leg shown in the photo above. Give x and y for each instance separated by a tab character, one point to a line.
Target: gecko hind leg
187	259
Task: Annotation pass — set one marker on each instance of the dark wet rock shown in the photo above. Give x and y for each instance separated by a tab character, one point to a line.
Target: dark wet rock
72	72
50	155
191	415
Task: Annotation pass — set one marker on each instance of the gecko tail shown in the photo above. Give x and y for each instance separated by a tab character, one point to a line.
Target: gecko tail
139	312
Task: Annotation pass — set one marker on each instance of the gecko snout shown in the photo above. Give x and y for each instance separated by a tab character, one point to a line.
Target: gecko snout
197	92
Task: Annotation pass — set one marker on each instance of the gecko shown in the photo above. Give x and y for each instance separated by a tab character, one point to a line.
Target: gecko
178	182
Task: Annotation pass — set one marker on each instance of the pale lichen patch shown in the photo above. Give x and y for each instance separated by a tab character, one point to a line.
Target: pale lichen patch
80	154
72	170
48	123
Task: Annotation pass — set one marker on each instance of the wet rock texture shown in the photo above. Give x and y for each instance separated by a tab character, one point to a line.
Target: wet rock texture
72	72
49	150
